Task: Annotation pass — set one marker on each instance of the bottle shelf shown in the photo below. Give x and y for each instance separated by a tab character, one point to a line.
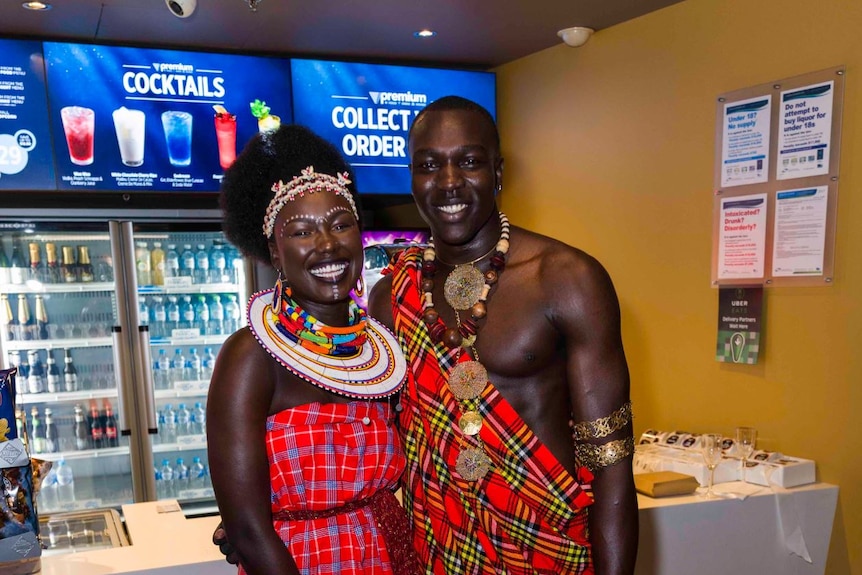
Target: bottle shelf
184	389
190	340
183	443
34	287
178	287
31	398
74	342
84	454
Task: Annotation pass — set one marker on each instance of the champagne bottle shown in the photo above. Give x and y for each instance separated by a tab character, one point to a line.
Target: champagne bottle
85	267
53	378
52	273
41	318
70	373
5	277
17	271
52	437
25	320
69	267
10	324
36	270
36	373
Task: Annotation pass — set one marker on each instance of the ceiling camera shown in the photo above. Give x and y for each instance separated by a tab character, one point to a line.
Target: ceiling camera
182	8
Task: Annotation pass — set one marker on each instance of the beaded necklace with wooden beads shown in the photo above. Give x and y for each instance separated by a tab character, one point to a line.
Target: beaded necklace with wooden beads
466	288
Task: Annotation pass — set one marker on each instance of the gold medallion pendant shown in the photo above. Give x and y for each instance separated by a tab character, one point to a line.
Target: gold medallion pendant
468	379
470	423
463	287
472	464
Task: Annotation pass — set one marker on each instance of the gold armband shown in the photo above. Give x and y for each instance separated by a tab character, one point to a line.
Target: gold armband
603	426
594	457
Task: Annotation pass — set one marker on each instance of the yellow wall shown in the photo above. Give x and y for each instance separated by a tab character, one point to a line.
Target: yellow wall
609	147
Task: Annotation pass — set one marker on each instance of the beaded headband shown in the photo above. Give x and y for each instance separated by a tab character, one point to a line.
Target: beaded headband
307	182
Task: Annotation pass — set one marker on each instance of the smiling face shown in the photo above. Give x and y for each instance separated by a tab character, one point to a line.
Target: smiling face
317	246
455	168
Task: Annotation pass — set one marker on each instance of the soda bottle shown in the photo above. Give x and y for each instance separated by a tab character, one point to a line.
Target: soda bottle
218	263
187	313
181	477
187	262
85	266
202	315
80	430
170	424
18	269
37	432
194	366
69	269
41	318
112	438
143	264
172	262
36	373
65	483
184	418
173	313
199	418
218	324
53	378
52	272
202	265
158	325
207	364
52	437
197	474
162	371
157	260
167	484
97	432
70	372
5	277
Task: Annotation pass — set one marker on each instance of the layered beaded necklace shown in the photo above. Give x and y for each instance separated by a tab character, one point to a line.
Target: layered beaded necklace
466	288
299	326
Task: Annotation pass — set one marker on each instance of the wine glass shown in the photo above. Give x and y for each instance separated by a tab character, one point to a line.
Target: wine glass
710	447
746	439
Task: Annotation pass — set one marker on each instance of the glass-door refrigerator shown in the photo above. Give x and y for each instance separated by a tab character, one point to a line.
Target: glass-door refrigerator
114	325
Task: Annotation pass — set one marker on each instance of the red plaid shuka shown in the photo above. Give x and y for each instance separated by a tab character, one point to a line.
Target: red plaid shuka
322	458
526	516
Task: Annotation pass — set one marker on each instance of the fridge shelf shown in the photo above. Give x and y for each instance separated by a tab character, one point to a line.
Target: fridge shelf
189	288
183	443
193	340
38	287
83	454
75	342
184	389
30	398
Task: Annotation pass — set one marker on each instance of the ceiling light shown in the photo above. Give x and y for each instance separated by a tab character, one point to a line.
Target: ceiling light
425	33
252	4
36	6
575	36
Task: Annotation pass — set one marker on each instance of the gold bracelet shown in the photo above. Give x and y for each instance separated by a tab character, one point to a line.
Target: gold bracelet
594	457
603	426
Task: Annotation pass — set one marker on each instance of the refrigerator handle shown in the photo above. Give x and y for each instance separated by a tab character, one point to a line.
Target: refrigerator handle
146	375
124	372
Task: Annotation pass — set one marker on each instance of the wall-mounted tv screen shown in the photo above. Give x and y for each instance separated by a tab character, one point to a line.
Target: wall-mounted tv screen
367	109
156	120
380	246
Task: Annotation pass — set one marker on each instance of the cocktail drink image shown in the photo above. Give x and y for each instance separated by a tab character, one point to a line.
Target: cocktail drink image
79	124
178	136
225	127
129	125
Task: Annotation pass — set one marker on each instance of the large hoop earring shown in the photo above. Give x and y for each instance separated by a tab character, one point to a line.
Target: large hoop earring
360	286
278	293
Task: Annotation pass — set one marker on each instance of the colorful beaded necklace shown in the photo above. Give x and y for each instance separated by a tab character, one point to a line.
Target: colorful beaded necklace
466	288
299	326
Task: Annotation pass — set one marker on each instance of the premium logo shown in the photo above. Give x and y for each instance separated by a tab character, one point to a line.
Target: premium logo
398	98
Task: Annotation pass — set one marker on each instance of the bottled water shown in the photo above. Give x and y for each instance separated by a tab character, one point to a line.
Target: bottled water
207	478
202	315
231	314
160	422
167	482
187	313
181	476
65	483
170	424
158	325
207	364
178	367
199	419
143	264
234	263
184	419
218	263
197	474
193	365
202	265
172	262
187	262
48	497
173	313
217	316
162	371
143	311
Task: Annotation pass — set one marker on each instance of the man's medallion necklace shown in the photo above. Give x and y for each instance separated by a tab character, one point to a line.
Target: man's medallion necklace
466	288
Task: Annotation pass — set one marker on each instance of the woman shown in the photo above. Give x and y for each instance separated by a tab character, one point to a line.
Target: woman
303	453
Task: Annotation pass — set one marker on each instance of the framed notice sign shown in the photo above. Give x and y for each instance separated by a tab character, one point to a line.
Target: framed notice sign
776	181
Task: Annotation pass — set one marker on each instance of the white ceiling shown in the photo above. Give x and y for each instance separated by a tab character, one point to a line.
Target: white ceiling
470	33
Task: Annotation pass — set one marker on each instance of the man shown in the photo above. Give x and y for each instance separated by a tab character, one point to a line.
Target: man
511	336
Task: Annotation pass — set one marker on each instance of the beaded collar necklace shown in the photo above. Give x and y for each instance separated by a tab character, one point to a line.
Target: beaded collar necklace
299	326
466	287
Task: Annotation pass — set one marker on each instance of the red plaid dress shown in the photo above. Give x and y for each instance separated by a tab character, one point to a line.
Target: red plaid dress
527	516
321	456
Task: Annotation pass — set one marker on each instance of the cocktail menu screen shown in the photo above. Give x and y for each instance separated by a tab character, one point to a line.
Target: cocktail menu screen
159	120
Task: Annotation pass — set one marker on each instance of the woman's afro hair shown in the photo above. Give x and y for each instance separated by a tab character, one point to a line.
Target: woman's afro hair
246	189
